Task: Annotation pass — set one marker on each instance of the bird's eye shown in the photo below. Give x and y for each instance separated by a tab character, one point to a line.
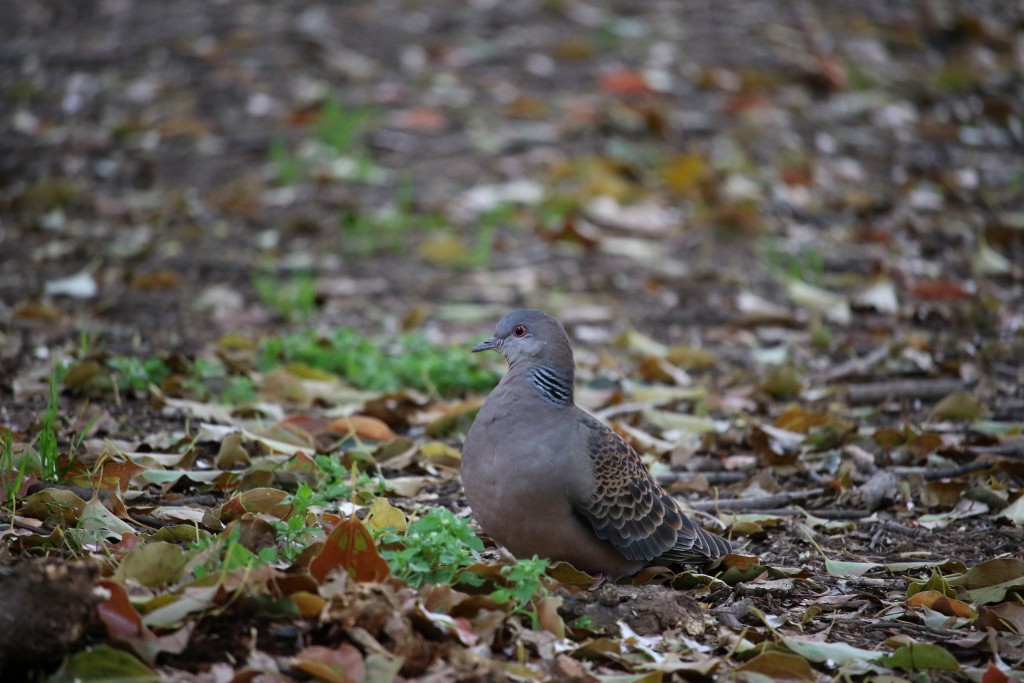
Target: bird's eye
519	330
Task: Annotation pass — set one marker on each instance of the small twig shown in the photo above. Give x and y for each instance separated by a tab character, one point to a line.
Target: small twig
832	513
923	389
18	524
203	499
854	366
775	500
841	513
149	520
1011	447
930	474
898	528
622	408
715	477
895	582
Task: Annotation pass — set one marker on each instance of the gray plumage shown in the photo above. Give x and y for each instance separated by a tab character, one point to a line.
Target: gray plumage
545	477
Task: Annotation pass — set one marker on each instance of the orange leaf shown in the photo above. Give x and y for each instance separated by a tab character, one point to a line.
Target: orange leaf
309	605
941	603
350	546
625	82
993	674
362	426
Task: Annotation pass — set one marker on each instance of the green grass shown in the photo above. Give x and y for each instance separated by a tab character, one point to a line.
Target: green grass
138	374
339	130
49	455
293	297
405	361
12	471
209	379
807	266
340	127
226	553
439	548
369	233
288	168
294	533
408	360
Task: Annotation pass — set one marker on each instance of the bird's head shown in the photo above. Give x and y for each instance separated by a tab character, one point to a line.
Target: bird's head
530	337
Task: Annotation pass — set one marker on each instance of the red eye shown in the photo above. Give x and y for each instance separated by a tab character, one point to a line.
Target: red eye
519	330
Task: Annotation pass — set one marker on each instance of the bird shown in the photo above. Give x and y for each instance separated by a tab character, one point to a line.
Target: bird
544	477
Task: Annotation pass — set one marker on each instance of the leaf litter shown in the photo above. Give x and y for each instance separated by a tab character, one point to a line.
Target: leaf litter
235	379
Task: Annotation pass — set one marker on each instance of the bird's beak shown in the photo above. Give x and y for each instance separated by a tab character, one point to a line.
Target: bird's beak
486	345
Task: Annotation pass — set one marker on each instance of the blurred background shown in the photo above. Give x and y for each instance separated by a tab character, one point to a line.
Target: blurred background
777	180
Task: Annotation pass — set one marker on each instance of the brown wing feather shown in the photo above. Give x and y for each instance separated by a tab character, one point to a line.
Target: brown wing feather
632	512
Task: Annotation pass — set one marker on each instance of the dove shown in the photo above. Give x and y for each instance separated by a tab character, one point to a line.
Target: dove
544	477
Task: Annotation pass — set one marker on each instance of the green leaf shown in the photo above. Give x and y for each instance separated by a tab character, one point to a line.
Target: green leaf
989	581
837	568
103	664
820	652
921	657
153	564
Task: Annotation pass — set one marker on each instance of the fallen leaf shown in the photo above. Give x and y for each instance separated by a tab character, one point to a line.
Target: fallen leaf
941	603
343	664
921	657
779	666
350	546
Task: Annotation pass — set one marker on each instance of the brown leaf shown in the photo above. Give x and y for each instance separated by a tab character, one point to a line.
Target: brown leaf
1009	616
265	500
940	290
231	452
943	494
990	573
118	614
162	278
34	310
779	666
350	546
111	475
343	664
124	624
548	617
363	427
941	603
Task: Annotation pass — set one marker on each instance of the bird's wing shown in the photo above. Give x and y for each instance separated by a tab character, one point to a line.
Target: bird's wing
628	508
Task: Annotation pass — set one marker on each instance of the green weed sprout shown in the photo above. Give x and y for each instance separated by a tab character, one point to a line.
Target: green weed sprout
436	548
